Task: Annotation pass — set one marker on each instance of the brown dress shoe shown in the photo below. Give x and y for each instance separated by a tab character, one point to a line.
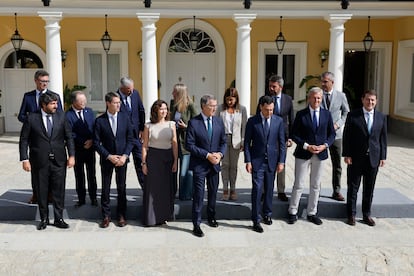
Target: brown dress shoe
105	222
233	195
338	197
369	221
351	221
225	195
33	199
121	222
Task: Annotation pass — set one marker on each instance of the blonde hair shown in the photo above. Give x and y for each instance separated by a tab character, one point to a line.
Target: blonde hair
182	100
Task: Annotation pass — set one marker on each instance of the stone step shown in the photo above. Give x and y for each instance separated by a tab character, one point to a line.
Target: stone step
387	203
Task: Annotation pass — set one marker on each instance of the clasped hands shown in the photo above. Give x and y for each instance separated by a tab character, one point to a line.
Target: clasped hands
117	160
316	149
214	157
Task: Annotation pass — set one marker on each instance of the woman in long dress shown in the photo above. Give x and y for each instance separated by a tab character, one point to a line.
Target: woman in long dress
159	163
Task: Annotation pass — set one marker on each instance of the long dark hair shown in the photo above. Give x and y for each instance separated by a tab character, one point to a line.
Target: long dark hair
231	92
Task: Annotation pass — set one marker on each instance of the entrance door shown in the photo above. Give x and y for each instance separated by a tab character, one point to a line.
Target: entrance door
197	71
16	83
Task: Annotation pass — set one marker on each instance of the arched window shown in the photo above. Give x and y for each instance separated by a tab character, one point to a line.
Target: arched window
181	42
23	59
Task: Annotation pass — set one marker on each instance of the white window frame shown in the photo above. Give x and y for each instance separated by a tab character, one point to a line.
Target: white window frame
86	47
299	50
403	105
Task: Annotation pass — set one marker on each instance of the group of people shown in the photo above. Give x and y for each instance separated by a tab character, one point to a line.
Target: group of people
178	151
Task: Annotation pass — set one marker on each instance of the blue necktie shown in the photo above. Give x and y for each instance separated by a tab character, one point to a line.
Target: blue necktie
265	127
369	123
209	129
49	125
277	109
315	120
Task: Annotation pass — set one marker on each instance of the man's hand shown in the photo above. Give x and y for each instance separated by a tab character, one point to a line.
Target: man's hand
348	160
121	160
88	144
249	167
214	157
71	161
280	168
113	158
26	166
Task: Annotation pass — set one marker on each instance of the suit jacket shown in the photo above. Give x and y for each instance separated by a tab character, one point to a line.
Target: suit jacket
198	143
81	130
186	116
339	109
303	132
29	105
239	125
256	148
357	142
34	137
286	112
137	113
106	143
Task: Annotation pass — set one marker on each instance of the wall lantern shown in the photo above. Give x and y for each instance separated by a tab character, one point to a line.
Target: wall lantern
280	39
106	38
194	38
368	40
323	55
16	38
64	55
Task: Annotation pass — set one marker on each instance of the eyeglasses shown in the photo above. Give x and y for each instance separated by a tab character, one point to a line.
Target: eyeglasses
44	81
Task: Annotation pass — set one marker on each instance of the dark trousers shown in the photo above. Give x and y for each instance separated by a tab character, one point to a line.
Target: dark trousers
199	179
354	174
137	156
335	151
120	178
262	180
50	178
85	158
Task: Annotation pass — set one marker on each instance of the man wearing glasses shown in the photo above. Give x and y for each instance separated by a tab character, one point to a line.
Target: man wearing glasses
30	104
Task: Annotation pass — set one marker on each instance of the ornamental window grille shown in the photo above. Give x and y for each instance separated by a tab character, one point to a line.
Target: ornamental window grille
181	42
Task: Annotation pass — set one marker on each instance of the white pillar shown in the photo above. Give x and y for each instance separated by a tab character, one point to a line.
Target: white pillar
53	51
336	47
243	58
149	60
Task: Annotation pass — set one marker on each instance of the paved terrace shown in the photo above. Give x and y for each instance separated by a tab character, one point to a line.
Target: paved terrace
303	248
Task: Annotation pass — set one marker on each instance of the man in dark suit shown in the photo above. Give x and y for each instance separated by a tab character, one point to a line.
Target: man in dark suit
364	150
82	120
113	140
264	155
30	104
313	132
206	141
336	102
284	109
131	104
47	135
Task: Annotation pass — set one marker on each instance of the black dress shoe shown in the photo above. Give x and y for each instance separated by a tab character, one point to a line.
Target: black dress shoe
94	202
282	197
197	231
79	203
351	220
60	223
212	223
267	220
292	219
314	219
369	221
257	228
32	200
121	222
42	224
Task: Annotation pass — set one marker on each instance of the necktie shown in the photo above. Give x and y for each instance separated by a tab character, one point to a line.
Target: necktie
80	115
49	125
127	104
265	127
209	129
315	120
113	125
277	105
369	122
327	101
